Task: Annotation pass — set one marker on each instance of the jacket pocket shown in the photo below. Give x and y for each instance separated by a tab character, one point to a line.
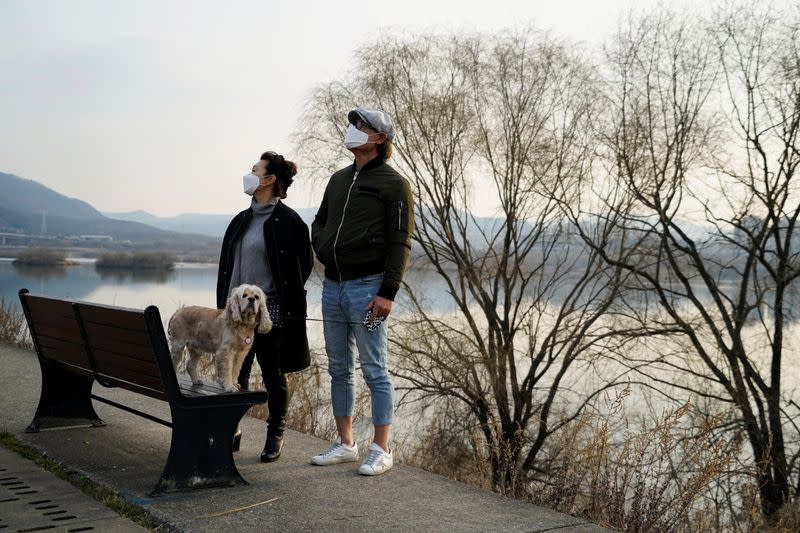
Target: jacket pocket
376	237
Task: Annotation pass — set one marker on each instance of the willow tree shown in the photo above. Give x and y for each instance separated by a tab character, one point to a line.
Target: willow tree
486	125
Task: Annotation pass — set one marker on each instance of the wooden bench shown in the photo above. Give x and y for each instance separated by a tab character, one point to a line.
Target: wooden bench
80	343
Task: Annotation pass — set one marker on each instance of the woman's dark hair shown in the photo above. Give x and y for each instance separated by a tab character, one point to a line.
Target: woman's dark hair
282	169
385	149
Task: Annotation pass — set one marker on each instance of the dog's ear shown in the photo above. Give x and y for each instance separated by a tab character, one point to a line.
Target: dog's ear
232	306
264	322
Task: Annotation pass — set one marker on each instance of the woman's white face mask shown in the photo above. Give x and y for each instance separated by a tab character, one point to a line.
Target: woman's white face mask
250	183
353	137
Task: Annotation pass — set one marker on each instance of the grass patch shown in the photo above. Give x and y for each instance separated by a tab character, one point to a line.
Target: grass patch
42	257
94	490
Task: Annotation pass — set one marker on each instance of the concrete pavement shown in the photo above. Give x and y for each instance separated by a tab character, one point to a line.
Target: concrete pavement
127	456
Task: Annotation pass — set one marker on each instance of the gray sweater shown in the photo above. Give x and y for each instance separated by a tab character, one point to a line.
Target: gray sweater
254	269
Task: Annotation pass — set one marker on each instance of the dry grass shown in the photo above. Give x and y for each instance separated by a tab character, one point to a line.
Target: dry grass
42	257
310	402
646	478
13	327
449	452
743	514
654	476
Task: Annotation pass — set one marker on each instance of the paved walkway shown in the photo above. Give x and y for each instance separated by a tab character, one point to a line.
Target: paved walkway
32	499
128	455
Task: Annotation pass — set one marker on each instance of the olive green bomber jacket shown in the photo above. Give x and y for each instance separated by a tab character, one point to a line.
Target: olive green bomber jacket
364	225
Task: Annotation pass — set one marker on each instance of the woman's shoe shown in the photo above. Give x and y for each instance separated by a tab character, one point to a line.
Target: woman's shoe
237	439
272	448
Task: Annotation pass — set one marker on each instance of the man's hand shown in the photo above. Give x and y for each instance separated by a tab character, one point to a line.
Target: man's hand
380	306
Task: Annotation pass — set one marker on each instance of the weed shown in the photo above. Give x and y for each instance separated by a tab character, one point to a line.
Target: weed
13	327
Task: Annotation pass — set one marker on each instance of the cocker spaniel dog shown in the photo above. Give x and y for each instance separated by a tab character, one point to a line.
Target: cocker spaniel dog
226	333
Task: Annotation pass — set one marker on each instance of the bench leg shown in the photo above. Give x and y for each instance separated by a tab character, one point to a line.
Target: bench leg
65	400
201	452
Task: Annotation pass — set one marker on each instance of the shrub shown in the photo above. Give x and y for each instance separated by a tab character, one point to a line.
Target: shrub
41	256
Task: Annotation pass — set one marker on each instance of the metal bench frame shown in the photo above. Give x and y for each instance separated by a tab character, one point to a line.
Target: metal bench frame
204	418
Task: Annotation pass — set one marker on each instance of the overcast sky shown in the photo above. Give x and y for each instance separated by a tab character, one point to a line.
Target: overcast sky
164	105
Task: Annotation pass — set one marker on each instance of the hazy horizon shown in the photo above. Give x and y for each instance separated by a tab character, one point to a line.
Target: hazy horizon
162	107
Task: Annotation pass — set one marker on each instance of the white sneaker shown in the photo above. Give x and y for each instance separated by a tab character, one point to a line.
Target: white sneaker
377	462
337	453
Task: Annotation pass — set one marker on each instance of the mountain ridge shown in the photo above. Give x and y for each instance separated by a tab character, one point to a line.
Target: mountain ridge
29	208
16	188
194	223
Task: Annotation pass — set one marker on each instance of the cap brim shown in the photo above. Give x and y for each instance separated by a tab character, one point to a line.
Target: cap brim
353	115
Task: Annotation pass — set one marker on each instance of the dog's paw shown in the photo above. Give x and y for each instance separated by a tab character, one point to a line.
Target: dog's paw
197	382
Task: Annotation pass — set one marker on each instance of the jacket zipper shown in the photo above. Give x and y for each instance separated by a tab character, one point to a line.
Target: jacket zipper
399	213
341	222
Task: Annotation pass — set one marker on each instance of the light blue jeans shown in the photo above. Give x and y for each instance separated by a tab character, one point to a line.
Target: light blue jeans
343	308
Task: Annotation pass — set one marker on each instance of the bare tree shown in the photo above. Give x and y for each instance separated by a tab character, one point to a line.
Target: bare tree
701	145
490	124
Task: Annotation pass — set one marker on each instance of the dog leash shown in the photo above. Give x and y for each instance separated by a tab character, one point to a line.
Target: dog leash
371	325
323	320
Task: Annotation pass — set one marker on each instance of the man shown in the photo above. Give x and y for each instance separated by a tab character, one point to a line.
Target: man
362	235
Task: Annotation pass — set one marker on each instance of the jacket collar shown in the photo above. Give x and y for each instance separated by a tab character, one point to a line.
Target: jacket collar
372	163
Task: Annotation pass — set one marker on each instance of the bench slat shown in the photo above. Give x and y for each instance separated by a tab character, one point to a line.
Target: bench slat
116	318
121	348
110	363
59	350
141	389
67	331
102	333
55	329
41	308
74	369
209	386
207	389
132	377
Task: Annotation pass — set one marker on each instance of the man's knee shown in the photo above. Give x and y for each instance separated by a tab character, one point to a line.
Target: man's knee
339	370
375	374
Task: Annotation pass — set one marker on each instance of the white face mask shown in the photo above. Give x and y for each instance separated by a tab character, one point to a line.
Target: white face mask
353	138
251	183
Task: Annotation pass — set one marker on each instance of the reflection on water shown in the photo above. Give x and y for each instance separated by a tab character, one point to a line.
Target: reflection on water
122	275
40	272
189	284
195	284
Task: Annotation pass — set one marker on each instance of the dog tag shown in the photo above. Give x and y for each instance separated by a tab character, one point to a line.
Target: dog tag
247	340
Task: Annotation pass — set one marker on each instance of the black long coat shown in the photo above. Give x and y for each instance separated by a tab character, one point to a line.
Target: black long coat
288	250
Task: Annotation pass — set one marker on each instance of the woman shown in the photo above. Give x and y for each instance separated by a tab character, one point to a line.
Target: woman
268	245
